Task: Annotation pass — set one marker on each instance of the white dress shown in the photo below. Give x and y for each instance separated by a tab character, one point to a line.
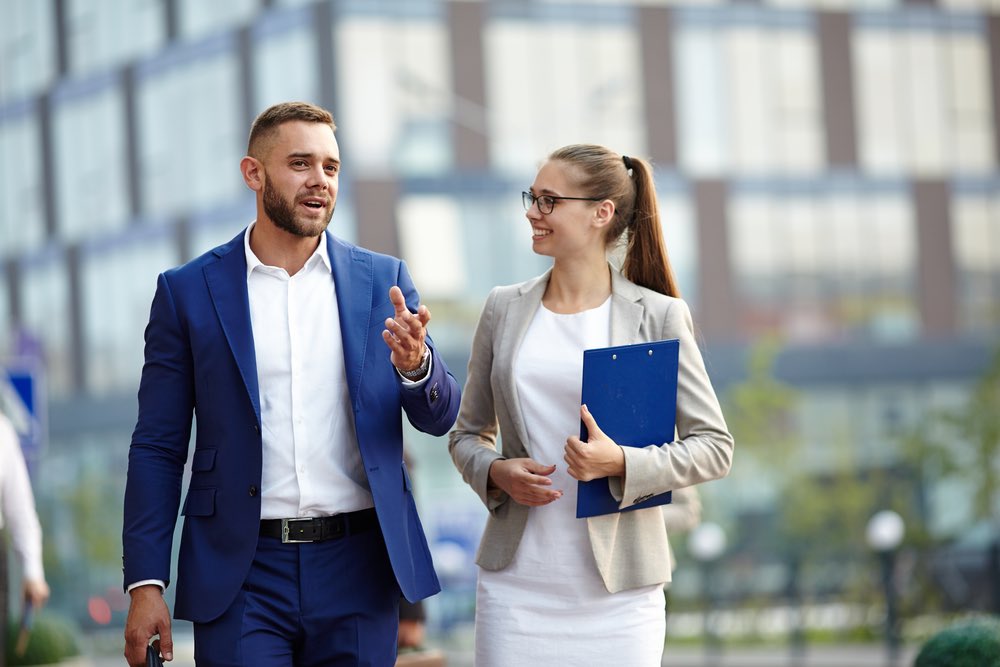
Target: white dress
550	606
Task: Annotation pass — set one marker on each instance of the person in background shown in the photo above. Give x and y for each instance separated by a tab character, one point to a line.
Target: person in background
299	353
554	589
19	518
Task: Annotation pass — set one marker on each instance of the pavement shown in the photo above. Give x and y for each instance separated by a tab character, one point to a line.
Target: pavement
862	655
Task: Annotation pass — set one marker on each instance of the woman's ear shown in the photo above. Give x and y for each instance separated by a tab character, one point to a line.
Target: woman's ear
253	173
604	213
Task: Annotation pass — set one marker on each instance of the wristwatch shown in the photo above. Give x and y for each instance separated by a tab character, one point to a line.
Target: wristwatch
420	371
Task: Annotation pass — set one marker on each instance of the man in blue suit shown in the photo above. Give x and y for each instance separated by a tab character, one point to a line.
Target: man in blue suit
297	352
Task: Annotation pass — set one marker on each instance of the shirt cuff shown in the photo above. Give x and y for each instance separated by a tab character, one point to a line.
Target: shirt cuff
146	582
416	384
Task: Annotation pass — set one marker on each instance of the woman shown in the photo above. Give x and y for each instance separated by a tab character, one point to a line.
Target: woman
554	589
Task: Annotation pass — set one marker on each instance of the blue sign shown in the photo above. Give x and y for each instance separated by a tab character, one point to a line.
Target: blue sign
22	399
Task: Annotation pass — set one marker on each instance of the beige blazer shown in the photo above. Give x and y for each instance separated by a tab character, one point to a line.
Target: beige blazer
630	548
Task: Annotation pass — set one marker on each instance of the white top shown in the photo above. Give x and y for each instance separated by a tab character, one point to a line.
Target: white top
550	605
17	504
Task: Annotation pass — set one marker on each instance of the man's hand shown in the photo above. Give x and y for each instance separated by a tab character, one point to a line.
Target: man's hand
36	591
599	457
525	480
147	616
405	333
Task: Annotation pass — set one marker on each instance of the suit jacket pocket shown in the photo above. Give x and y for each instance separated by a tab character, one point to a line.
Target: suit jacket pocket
204	460
200	502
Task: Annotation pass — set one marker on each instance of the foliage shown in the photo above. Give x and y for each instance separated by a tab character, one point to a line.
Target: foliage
972	643
52	640
759	409
964	442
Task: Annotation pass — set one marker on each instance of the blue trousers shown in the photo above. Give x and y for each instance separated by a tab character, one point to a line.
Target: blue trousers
332	603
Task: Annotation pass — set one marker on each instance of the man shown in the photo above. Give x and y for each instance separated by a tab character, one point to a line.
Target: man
273	341
17	513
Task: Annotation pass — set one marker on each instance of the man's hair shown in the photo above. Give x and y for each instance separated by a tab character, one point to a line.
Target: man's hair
268	122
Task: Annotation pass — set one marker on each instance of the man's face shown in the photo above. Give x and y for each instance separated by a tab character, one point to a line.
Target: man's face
301	178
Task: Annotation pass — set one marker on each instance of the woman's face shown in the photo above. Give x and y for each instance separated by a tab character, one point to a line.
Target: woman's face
573	226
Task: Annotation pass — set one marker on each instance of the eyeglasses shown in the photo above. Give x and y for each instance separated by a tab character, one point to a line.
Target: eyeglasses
547	202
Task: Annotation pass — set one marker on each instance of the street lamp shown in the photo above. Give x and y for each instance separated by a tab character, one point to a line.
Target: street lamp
884	533
706	543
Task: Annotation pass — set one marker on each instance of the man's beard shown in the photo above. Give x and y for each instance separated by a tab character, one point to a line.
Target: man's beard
282	214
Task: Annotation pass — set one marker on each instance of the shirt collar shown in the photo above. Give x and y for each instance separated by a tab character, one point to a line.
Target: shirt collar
254	262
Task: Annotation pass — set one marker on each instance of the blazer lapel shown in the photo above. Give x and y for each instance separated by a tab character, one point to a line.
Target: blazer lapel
227	285
353	281
626	311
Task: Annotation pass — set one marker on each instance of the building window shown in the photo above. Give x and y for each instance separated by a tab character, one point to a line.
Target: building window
198	18
27	48
90	165
284	60
431	239
103	34
46	317
923	97
748	94
822	266
397	111
22	208
584	75
192	133
976	241
118	282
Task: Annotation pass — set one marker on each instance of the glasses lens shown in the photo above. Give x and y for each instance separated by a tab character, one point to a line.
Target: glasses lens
527	200
545	203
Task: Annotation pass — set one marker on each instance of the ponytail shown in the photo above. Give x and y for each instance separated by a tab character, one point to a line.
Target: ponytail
646	260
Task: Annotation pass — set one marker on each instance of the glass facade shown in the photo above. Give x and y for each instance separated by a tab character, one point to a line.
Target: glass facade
836	191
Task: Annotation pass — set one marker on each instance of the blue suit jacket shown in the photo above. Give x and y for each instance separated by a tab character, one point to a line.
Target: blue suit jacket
200	358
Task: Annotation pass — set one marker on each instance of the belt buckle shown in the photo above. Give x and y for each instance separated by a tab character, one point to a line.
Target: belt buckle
285	539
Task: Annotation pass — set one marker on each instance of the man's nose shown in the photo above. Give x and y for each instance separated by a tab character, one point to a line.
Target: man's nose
317	178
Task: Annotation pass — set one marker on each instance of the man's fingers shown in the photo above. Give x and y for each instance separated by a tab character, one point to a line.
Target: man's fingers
396	297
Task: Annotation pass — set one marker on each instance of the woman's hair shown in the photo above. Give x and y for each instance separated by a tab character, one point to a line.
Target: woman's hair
628	182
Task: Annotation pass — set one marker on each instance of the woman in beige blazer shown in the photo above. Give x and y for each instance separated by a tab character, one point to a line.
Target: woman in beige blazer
553	588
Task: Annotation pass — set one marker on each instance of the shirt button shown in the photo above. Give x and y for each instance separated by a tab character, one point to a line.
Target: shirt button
253	491
256	428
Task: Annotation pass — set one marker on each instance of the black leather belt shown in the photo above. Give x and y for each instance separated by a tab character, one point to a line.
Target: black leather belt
318	529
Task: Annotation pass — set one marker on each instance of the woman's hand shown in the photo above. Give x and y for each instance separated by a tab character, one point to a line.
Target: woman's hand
599	457
524	480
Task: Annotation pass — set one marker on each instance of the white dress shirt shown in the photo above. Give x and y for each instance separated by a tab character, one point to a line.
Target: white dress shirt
17	504
312	465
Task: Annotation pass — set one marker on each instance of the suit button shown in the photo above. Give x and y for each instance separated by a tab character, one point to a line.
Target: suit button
253	490
256	428
435	392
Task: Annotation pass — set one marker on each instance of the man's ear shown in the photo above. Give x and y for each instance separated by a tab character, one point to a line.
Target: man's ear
253	173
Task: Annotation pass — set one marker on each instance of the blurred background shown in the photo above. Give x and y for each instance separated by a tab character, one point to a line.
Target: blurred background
828	173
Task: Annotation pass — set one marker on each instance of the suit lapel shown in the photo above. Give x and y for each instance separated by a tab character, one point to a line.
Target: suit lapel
353	282
226	279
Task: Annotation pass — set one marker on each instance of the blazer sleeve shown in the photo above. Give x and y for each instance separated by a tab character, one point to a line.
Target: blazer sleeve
473	442
159	443
703	450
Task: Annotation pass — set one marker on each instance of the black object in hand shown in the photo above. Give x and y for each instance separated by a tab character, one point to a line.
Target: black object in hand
153	657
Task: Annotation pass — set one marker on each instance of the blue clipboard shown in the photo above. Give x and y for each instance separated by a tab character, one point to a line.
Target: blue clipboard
631	390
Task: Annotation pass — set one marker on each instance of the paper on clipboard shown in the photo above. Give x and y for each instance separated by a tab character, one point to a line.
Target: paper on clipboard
631	390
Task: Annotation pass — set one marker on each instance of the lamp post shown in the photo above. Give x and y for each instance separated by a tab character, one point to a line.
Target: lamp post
884	533
707	542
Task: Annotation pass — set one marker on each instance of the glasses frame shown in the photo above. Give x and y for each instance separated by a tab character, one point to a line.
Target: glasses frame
530	200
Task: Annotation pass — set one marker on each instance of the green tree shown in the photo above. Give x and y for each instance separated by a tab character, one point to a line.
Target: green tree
964	442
